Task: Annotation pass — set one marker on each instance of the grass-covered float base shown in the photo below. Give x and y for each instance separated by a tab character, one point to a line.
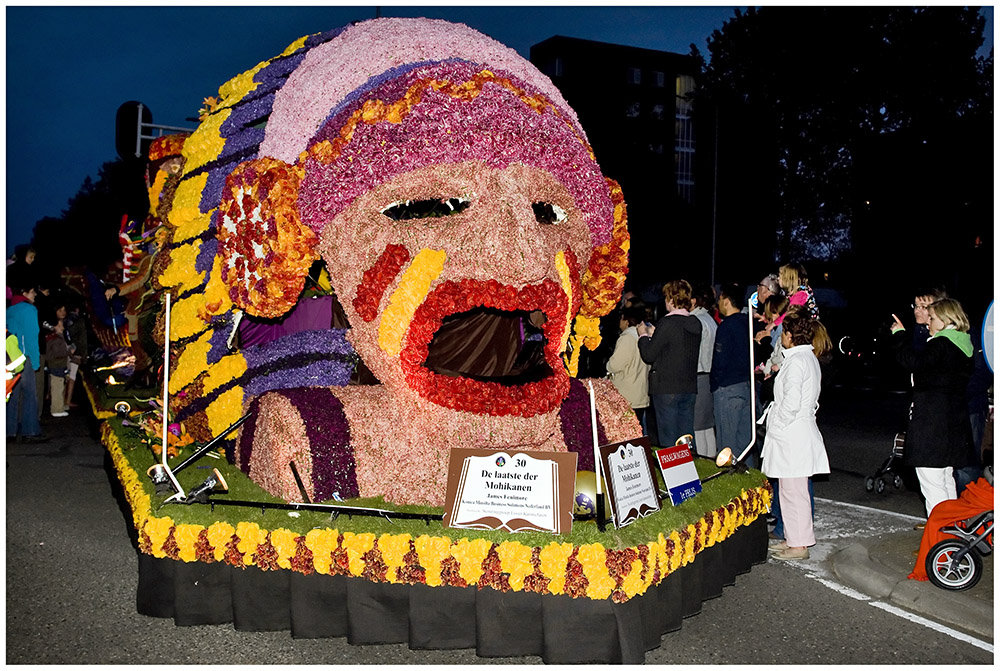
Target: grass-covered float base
376	580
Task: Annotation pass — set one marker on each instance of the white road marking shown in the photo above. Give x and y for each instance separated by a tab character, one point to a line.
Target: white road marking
832	525
931	624
843	589
874	510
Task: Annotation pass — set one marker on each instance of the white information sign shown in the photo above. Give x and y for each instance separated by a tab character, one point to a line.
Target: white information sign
633	491
514	491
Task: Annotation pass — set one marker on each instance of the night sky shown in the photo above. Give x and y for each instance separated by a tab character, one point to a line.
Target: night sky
69	68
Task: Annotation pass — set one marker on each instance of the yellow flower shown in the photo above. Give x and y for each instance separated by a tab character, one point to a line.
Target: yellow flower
158	528
470	556
588	329
250	536
191	363
633	583
567	286
515	559
593	558
227	369
553	558
411	292
283	541
154	191
225	410
678	552
322	542
219	535
357	545
689	545
236	88
185	214
216	295
181	270
393	549
205	143
431	551
185	318
294	46
186	536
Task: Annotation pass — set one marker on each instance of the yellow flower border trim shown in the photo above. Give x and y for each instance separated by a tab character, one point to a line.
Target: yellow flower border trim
590	570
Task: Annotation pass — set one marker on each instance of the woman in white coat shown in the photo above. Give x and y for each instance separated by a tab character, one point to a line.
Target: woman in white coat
793	446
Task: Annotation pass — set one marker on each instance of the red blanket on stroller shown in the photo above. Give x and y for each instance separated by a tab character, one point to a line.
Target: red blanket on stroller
975	499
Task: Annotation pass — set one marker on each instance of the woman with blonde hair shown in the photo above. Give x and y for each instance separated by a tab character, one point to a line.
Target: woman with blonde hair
671	348
795	282
794	450
939	435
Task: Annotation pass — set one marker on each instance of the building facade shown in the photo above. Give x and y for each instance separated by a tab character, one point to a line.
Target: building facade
635	106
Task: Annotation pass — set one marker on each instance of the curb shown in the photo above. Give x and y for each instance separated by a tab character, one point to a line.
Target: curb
855	566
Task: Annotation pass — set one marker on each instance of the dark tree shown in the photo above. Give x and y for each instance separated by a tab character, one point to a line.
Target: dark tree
87	232
844	130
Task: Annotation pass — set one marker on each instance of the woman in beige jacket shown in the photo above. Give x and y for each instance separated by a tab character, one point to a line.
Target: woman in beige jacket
628	372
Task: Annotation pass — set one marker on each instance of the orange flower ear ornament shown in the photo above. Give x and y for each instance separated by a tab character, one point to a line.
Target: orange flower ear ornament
265	249
602	283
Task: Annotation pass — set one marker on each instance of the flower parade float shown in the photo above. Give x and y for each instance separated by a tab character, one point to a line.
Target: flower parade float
392	240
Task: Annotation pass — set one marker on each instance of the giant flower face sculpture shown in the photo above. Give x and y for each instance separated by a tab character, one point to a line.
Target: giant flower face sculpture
468	233
443	179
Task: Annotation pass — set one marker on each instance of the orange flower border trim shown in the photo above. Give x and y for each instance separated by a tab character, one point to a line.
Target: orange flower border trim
585	571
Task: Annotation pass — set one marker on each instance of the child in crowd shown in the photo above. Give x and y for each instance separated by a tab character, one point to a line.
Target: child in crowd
57	363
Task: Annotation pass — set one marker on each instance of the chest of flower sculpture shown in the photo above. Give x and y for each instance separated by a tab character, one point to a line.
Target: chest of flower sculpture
470	238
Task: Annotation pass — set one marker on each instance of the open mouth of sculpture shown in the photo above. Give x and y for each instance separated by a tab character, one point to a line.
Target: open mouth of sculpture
491	345
487	348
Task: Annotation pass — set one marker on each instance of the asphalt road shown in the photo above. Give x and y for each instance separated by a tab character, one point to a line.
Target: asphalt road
71	577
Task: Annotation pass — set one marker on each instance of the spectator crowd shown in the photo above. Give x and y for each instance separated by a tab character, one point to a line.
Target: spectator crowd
733	367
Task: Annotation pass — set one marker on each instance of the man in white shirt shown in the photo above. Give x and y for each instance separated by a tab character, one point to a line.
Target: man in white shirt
703	299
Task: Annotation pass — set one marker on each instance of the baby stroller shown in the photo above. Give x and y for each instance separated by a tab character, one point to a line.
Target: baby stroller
957	563
877	482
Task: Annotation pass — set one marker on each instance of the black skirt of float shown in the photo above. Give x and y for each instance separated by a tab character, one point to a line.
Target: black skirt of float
496	624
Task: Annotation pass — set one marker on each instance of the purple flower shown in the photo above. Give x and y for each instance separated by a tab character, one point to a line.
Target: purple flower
574	417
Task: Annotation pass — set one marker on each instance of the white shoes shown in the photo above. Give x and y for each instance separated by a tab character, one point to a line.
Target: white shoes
60	414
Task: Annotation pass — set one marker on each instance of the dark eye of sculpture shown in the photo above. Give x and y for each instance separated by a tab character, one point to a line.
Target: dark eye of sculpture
425	209
547	213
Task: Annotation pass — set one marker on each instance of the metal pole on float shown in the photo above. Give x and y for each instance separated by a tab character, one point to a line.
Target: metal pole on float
166	397
753	387
599	503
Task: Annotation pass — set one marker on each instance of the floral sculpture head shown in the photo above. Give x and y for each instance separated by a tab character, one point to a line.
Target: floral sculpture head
396	115
435	172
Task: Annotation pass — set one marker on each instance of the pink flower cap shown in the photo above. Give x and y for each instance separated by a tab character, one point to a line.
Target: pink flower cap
370	49
478	116
508	112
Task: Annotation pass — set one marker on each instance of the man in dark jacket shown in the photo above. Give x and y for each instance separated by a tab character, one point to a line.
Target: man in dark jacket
671	348
730	377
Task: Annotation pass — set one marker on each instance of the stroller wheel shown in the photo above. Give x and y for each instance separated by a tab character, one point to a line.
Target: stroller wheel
897	482
963	575
869	484
880	486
